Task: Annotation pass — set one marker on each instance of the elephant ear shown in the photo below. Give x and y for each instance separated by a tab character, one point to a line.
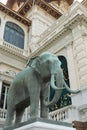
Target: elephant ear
59	63
34	63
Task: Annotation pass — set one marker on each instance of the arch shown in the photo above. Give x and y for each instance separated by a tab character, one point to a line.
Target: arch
14	34
64	100
0	21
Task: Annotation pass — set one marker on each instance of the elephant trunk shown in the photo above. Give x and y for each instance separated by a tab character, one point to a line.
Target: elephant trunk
54	100
60	85
56	84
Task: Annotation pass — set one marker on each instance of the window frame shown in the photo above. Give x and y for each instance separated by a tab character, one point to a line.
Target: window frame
14	34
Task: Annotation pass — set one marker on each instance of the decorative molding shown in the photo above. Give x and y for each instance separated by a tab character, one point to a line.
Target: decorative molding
61	26
84	2
7	47
42	4
6	76
15	15
83	107
10	72
84	34
13	54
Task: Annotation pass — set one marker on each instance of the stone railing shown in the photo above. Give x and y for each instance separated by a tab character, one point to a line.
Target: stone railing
63	114
12	47
3	114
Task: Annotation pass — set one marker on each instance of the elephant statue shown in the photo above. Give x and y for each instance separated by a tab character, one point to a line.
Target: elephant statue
32	87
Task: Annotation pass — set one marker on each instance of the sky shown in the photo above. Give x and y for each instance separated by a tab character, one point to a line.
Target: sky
4	1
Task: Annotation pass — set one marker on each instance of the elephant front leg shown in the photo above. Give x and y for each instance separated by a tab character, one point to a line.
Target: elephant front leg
44	95
34	104
9	118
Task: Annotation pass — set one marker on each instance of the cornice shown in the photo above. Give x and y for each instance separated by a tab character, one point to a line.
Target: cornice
14	15
85	4
42	4
62	25
68	1
10	3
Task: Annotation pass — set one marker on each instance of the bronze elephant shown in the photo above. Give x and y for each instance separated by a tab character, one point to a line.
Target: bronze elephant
32	87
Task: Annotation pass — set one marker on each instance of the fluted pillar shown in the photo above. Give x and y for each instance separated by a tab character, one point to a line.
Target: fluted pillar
71	67
80	54
0	88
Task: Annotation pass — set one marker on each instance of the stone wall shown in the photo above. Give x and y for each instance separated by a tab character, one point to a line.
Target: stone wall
67	37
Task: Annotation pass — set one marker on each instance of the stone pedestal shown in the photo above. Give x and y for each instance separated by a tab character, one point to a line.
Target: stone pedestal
41	124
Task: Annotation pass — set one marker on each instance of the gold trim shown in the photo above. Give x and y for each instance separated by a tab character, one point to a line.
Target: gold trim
14	15
41	3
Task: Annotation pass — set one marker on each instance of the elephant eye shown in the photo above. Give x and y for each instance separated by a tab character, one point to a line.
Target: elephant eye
48	61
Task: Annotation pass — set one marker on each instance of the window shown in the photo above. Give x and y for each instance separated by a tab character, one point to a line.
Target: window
64	100
14	34
4	93
0	21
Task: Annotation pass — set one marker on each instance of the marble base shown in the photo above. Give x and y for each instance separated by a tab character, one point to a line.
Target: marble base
41	124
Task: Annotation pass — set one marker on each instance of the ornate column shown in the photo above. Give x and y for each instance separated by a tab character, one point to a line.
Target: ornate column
0	88
2	28
80	54
71	67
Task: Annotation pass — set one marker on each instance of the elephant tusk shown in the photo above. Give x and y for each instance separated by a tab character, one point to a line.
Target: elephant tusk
69	90
53	84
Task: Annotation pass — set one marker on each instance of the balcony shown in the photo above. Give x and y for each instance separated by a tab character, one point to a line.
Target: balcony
12	48
65	114
2	115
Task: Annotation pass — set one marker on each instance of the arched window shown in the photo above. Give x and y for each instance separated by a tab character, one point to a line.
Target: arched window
4	92
14	34
64	100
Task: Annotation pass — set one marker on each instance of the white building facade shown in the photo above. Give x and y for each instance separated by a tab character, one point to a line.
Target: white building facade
38	31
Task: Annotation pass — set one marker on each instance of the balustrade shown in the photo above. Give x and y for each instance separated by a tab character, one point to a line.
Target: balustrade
12	47
3	114
63	114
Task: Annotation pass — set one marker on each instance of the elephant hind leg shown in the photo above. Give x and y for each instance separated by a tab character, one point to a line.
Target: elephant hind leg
19	114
